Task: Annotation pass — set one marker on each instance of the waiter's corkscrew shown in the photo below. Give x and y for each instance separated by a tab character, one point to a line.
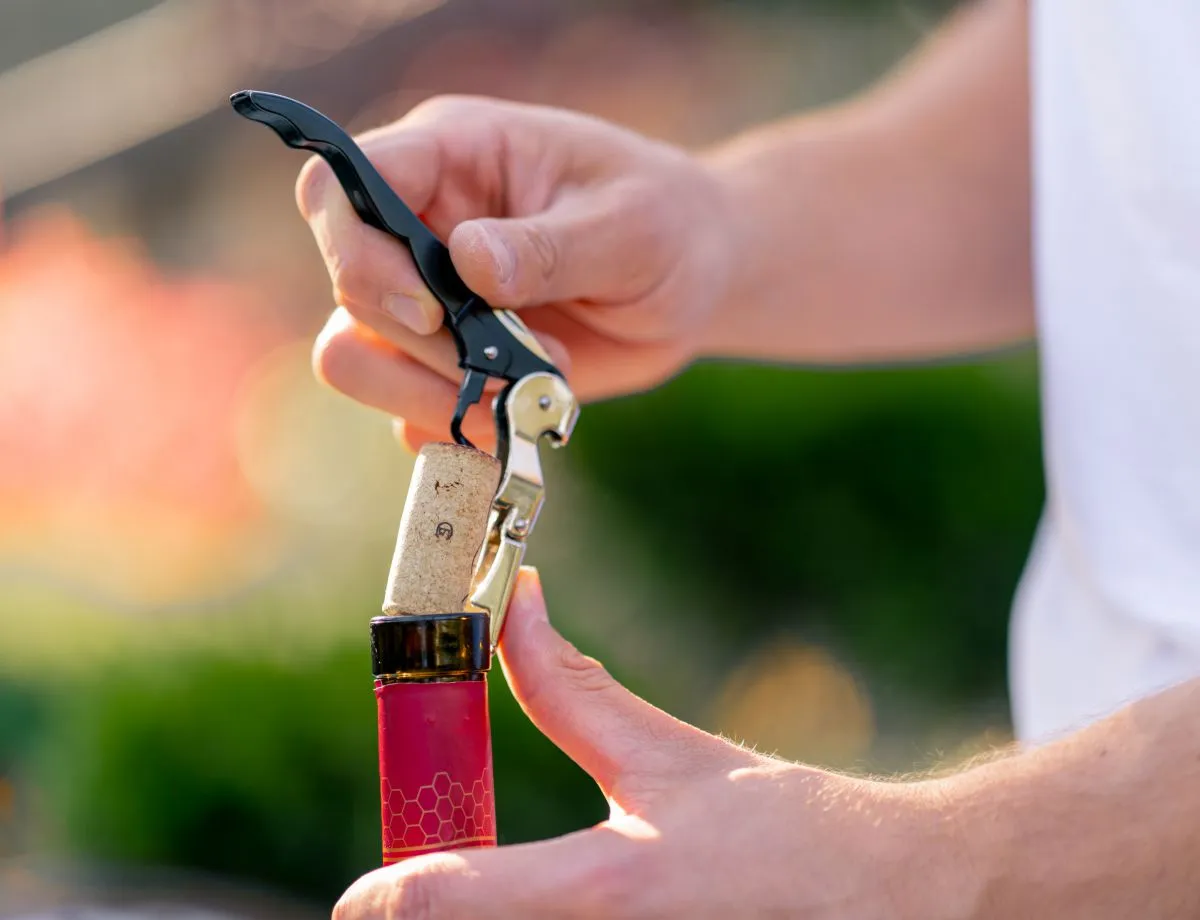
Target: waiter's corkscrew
535	401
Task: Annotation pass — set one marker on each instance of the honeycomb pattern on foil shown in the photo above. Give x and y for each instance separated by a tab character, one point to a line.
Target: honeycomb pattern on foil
441	812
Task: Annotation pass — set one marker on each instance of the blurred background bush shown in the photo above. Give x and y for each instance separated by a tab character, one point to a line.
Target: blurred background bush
193	534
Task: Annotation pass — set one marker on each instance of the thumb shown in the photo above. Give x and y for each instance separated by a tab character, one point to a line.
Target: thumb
565	253
524	881
619	739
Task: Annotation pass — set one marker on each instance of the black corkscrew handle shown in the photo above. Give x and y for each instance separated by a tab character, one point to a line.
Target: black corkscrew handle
490	343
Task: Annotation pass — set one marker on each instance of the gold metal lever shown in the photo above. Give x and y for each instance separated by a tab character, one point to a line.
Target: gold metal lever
537	406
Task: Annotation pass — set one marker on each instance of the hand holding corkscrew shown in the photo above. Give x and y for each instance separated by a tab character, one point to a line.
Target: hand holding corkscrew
463	533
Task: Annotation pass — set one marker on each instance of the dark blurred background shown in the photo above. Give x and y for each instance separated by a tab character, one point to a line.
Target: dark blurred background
193	533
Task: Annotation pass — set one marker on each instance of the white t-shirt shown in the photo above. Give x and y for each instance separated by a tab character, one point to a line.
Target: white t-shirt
1109	608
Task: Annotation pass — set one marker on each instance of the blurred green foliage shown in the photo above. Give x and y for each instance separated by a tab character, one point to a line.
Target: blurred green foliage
22	715
220	764
885	512
262	771
889	511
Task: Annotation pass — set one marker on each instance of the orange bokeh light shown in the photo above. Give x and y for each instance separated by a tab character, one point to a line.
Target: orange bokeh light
118	389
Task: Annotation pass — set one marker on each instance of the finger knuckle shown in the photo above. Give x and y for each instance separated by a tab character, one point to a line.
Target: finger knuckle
539	259
344	910
608	888
415	897
446	106
586	673
350	273
545	250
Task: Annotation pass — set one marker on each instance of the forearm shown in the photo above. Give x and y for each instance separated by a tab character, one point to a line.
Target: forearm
896	226
1105	824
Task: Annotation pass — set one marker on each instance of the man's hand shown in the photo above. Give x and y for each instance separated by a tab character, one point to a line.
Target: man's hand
699	827
617	241
894	226
1101	825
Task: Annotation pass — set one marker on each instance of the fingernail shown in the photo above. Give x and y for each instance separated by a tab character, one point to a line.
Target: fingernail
400	433
531	586
502	255
407	311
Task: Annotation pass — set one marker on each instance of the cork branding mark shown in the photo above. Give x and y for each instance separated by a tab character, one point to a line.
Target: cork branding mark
442	530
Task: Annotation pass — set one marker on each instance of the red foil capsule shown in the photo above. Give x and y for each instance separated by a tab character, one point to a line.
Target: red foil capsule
435	749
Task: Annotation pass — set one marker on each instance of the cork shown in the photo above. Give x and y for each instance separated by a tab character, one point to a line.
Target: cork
442	530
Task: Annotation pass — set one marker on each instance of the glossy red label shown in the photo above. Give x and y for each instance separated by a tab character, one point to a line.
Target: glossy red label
435	768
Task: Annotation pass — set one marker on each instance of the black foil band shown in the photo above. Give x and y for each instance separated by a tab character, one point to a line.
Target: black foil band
430	645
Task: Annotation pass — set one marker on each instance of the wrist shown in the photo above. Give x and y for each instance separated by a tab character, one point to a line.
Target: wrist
724	173
947	871
1083	827
1031	844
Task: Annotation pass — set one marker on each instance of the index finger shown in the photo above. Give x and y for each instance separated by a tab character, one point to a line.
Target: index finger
371	271
406	157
